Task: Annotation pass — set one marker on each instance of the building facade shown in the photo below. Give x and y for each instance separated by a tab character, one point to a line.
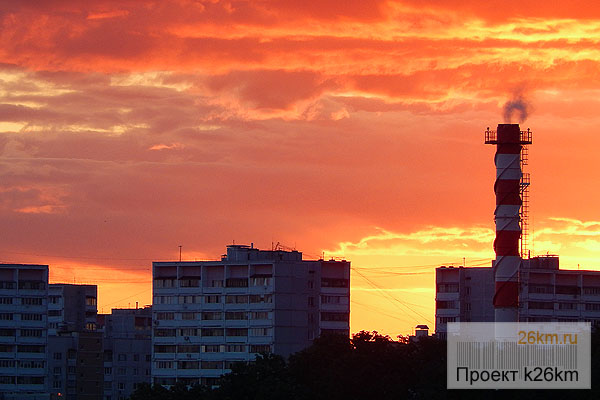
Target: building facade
23	331
546	294
127	350
72	308
463	294
210	314
75	363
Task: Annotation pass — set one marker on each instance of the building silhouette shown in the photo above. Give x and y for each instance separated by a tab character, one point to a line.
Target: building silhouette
210	314
23	331
546	294
127	337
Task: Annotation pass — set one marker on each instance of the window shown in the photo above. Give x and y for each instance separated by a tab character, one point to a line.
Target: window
165	299
122	371
57	384
212	348
158	332
447	288
6	300
541	289
188	332
212	315
445	320
54	299
188	365
334	316
593	290
592	307
57	370
446	304
260	331
189	283
7	285
91	301
31	364
212	364
311	301
165	316
189	299
260	348
334	300
259	315
188	315
54	313
237	332
136	357
7	332
188	348
567	306
236	315
107	370
261	281
164	283
32	285
32	332
57	356
123	356
212	331
32	301
32	317
121	386
26	348
164	364
541	305
90	326
211	299
257	298
6	348
236	299
216	283
236	282
236	348
334	282
160	348
7	363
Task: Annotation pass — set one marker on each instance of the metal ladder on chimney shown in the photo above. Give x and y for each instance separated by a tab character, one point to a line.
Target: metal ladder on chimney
524	213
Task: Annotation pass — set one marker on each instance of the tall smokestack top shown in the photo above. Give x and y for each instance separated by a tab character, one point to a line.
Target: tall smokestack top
509	133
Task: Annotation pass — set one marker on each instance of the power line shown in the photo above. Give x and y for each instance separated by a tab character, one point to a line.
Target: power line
393	299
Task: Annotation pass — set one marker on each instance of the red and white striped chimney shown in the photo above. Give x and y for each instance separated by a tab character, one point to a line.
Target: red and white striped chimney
507	187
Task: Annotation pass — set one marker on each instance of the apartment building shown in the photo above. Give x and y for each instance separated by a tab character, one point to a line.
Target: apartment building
75	364
210	314
23	331
127	350
546	293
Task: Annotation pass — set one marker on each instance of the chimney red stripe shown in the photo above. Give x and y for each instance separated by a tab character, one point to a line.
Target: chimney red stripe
507	294
508	191
507	243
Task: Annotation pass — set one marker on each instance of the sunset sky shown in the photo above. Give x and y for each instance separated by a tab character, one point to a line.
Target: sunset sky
353	128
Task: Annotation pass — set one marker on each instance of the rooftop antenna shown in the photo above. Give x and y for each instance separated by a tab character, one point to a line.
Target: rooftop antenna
180	246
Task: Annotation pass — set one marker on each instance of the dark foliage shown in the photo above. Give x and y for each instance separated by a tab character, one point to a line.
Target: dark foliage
368	366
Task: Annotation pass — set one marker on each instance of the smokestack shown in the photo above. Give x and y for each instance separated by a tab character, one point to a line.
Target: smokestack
509	142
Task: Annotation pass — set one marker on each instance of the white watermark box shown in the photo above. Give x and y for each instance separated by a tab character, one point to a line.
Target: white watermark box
519	355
